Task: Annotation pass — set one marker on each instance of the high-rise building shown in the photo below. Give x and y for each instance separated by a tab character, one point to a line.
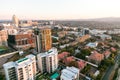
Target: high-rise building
46	39
43	39
38	40
70	73
85	31
48	61
15	21
23	69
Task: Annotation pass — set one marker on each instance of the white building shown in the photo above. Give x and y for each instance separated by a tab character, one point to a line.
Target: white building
104	36
23	69
92	45
97	31
70	73
114	31
48	61
15	21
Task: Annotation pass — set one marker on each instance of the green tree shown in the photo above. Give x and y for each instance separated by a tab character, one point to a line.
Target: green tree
73	63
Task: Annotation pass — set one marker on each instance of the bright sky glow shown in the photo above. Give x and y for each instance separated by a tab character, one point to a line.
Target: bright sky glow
59	9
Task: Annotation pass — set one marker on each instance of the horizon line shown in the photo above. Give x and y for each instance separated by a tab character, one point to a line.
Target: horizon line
60	19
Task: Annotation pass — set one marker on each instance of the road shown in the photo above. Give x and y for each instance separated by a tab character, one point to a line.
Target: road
112	68
87	62
5	57
7	54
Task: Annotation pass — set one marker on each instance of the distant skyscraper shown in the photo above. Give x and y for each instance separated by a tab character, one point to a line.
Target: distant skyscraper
15	20
43	39
85	31
48	61
23	69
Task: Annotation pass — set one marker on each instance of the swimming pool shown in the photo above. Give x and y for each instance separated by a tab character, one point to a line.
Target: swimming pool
55	75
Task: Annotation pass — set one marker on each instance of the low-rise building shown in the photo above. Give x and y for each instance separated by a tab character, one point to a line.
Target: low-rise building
106	54
68	60
63	55
104	36
83	38
70	73
92	45
113	49
96	57
81	64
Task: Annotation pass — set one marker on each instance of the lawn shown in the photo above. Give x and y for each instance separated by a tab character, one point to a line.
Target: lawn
3	47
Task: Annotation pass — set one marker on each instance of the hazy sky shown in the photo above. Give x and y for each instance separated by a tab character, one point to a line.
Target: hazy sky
59	9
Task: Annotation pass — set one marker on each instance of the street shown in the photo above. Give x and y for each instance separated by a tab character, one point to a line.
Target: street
112	68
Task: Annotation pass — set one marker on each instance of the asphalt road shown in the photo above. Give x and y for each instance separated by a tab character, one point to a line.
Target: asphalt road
112	68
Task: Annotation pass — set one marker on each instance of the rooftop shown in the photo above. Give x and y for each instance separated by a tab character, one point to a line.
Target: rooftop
21	60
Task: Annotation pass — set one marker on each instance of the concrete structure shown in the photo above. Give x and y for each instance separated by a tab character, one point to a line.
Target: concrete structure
3	37
15	21
46	39
70	73
43	39
48	61
21	41
23	69
38	40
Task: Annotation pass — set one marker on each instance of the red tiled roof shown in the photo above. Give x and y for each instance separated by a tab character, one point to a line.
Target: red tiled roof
113	49
106	53
96	56
63	55
81	64
68	59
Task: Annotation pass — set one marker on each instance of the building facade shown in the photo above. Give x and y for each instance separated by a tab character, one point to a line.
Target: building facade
3	37
23	69
46	39
43	39
48	61
21	41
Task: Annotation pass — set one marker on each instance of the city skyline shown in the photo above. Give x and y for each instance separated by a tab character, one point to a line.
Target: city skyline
62	9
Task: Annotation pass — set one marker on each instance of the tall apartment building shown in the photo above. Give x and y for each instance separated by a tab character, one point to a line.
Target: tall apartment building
43	39
48	61
70	73
46	39
3	37
23	69
21	41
